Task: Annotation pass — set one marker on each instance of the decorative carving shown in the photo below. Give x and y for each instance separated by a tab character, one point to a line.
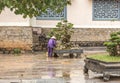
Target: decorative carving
52	15
105	68
106	9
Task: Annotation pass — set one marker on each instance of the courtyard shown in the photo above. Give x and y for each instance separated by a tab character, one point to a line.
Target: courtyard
38	68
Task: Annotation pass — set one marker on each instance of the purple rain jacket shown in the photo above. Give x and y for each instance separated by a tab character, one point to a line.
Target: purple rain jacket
51	43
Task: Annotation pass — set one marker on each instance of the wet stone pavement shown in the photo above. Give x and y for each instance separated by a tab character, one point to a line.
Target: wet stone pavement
37	68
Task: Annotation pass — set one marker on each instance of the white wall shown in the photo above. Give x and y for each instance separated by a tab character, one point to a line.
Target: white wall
8	18
80	14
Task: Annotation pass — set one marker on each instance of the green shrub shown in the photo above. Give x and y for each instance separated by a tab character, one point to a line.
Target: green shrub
17	51
113	45
63	32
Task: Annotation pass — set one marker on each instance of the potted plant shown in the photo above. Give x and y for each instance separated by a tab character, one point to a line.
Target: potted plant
63	32
109	63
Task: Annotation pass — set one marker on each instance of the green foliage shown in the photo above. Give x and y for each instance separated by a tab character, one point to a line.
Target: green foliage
33	7
113	45
63	32
17	51
110	44
113	38
113	34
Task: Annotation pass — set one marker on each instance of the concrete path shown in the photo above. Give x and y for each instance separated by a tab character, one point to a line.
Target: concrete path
37	68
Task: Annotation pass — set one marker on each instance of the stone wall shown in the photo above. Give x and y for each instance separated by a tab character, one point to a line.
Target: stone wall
24	37
92	34
16	37
89	36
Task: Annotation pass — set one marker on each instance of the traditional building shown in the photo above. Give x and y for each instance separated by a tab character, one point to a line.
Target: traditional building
93	21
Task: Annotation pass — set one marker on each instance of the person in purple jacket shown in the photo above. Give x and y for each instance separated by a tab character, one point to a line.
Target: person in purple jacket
51	44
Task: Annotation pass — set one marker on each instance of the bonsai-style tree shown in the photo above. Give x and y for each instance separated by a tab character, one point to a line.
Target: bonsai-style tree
33	8
63	32
113	45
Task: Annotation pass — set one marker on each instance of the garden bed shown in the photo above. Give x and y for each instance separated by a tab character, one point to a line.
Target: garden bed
104	64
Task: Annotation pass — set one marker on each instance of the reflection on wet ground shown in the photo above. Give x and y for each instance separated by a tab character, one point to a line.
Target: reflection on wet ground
37	68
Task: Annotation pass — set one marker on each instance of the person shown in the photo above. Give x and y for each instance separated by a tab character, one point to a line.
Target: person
51	44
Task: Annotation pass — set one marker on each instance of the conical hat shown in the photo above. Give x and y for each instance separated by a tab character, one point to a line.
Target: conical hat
53	37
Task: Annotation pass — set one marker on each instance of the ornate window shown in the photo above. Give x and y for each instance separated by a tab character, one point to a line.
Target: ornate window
51	15
106	9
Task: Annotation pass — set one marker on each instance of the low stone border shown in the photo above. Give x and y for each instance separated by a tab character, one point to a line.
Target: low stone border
105	68
71	52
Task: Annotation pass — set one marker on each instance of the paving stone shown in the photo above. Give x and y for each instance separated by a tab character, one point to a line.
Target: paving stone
37	68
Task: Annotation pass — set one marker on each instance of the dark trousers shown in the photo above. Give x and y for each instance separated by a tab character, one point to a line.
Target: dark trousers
50	52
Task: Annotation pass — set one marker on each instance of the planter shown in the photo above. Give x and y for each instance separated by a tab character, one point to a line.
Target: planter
105	68
71	52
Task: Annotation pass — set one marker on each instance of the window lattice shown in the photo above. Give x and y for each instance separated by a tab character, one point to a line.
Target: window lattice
51	15
106	9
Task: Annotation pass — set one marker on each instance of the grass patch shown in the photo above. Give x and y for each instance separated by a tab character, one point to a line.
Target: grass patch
105	57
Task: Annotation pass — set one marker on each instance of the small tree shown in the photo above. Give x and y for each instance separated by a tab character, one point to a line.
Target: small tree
113	45
63	32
